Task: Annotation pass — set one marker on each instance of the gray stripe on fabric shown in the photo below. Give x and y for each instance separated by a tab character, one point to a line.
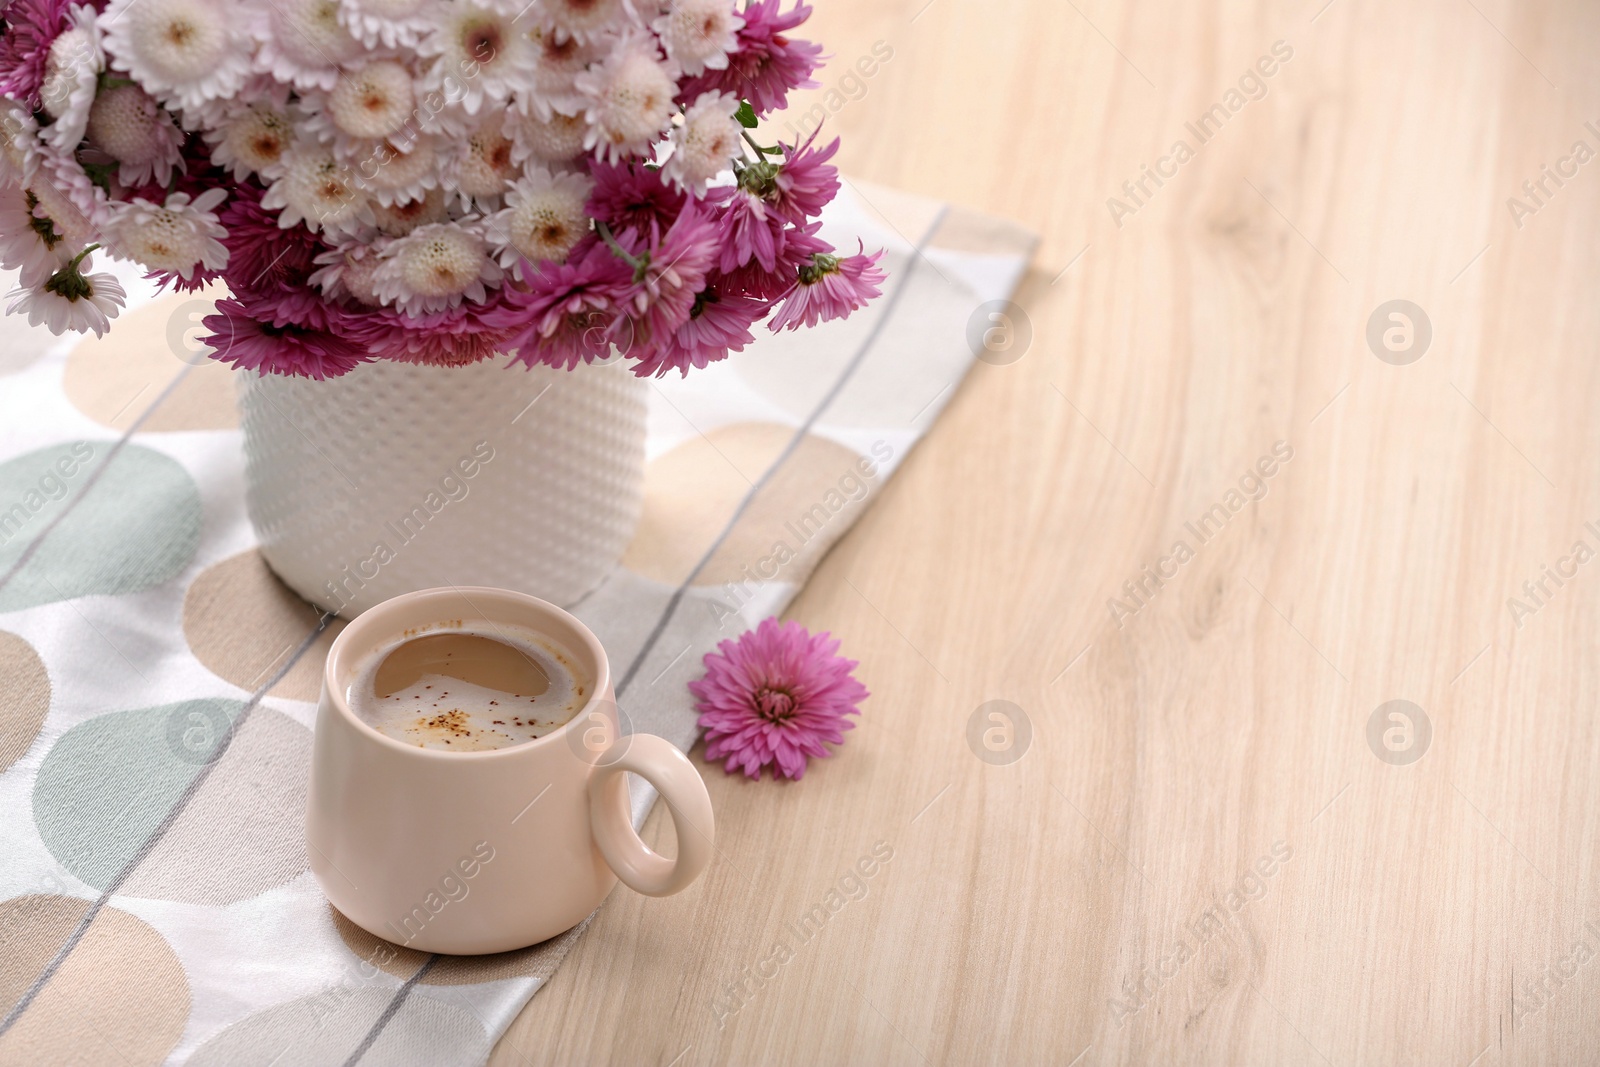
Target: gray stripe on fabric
390	1010
166	824
133	428
667	612
788	450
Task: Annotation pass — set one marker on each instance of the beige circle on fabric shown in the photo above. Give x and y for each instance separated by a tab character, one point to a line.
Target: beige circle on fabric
243	832
537	961
119	997
113	379
327	1026
692	491
386	956
24	699
244	625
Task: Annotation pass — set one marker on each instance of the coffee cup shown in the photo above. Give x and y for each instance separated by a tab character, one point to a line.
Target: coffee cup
487	851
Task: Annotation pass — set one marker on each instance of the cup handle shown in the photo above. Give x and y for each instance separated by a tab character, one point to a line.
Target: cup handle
658	762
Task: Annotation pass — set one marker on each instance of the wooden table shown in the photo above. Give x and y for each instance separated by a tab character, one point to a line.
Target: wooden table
1221	843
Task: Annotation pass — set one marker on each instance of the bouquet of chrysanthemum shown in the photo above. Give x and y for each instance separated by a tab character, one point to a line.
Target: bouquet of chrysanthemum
427	181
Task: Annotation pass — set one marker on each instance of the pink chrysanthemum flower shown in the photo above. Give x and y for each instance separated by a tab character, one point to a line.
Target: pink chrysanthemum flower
718	323
238	336
806	182
670	272
450	338
830	288
773	697
262	254
767	64
567	314
750	232
633	199
31	28
795	246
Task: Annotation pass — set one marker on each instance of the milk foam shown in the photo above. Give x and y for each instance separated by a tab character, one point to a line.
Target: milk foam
448	712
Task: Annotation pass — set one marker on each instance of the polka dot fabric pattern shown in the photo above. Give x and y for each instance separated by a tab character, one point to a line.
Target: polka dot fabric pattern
157	718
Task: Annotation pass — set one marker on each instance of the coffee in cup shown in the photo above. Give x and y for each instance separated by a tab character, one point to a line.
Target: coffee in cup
469	687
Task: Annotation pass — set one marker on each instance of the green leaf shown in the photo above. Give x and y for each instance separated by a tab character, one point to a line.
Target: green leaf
746	115
100	174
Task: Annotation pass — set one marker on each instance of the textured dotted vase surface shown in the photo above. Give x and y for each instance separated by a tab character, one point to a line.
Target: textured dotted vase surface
396	477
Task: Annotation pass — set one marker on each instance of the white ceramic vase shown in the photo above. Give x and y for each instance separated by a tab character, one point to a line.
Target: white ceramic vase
395	478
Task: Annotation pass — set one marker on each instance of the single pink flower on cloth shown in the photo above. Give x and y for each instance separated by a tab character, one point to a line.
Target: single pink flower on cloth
773	697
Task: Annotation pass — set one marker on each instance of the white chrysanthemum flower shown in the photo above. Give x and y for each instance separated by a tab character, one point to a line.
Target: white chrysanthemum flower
557	63
397	220
347	270
183	51
705	142
699	34
393	23
19	144
583	20
303	43
630	99
85	205
434	267
391	176
315	188
210	114
556	140
373	102
253	138
483	168
53	190
319	123
542	220
482	54
129	126
445	122
176	237
71	299
71	75
30	244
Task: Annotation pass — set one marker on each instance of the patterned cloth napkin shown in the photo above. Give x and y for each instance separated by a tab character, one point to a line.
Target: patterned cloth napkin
155	903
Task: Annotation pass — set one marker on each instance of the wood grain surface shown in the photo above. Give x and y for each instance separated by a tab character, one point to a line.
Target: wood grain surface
1198	847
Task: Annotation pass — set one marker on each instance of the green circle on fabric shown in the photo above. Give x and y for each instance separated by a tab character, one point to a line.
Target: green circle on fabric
109	783
136	526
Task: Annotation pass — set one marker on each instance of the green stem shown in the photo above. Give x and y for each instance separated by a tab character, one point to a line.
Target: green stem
763	153
617	250
79	257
